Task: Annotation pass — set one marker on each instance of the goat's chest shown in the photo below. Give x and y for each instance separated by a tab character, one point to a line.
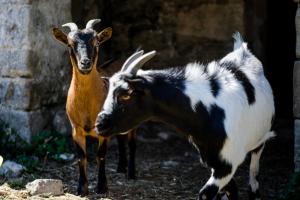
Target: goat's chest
83	107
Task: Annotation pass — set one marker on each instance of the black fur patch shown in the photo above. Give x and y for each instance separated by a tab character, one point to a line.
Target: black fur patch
204	126
231	189
208	192
214	136
222	169
214	84
217	117
131	162
82	182
175	77
168	85
242	78
122	164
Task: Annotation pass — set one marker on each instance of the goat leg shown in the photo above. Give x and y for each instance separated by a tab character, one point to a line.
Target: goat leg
80	142
101	187
132	150
212	187
122	165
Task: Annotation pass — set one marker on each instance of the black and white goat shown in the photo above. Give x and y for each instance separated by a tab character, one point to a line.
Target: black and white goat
225	109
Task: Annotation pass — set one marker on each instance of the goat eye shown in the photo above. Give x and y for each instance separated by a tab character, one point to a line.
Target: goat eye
124	97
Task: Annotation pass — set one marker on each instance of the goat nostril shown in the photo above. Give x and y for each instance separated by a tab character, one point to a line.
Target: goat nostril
85	62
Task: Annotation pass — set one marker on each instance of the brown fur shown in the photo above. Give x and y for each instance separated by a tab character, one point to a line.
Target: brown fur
85	99
86	96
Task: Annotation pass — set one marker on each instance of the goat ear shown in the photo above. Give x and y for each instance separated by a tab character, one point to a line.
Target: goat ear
59	35
136	84
104	35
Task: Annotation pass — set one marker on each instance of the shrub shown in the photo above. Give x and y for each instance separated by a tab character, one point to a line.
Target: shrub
47	144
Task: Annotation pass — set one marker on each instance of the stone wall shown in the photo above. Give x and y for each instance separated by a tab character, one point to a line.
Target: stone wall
34	70
296	83
180	31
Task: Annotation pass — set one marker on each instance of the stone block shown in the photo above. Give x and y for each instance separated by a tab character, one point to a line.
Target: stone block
14	63
49	63
296	85
297	145
61	122
34	68
15	2
16	94
26	123
11	169
45	186
297	23
206	21
14	22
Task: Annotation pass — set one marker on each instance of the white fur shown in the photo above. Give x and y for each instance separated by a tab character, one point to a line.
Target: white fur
114	82
247	126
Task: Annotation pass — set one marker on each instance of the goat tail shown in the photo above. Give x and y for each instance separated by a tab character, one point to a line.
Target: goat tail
238	41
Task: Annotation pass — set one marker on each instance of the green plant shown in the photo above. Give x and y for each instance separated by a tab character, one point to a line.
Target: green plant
9	140
49	143
46	144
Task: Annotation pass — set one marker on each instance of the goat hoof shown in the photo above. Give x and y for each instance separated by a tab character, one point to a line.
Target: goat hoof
221	196
253	195
131	176
208	192
101	189
82	190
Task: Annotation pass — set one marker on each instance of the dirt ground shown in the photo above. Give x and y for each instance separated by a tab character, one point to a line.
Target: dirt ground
166	169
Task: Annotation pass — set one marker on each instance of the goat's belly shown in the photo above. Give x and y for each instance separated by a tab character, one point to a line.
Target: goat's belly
250	127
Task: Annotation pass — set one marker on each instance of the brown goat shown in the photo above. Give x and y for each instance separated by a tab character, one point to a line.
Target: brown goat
85	99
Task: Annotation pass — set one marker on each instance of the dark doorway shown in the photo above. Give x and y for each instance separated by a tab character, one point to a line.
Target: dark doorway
280	53
270	30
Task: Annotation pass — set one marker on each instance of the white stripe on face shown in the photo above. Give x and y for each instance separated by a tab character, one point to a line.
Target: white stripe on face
114	82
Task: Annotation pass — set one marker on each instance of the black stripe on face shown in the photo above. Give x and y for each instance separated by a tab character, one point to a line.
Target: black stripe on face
73	55
242	78
214	84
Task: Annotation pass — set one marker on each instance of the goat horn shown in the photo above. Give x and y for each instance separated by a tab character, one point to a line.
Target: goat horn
91	23
139	62
71	25
132	58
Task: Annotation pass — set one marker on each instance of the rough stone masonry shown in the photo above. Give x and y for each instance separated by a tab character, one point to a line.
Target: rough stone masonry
34	71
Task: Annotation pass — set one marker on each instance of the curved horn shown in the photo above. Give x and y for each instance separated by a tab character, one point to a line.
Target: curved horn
132	58
91	23
139	62
71	25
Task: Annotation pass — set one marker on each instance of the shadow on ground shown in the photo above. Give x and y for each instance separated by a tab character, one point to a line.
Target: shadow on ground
166	169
